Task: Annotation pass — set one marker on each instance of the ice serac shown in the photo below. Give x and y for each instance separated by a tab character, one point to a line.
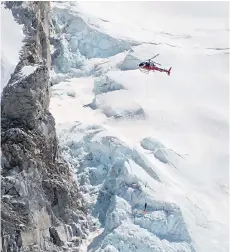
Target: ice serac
114	178
130	62
40	209
76	38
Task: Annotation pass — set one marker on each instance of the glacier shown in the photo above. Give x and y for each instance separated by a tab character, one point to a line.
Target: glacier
133	138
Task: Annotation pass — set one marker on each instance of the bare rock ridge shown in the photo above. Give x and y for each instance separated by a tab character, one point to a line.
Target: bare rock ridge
41	208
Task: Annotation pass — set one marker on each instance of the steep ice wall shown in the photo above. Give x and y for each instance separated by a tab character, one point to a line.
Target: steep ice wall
41	209
76	38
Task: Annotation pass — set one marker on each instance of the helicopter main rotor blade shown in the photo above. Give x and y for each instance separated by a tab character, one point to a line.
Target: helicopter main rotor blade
154	56
149	60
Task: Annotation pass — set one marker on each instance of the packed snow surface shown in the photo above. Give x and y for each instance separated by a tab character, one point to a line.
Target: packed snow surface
134	138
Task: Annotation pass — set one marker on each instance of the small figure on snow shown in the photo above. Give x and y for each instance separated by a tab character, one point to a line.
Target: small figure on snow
145	208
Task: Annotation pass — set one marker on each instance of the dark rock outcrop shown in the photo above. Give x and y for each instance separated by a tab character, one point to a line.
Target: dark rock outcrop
40	202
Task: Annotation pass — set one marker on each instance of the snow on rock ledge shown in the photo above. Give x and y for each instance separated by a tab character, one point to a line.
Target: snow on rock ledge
28	70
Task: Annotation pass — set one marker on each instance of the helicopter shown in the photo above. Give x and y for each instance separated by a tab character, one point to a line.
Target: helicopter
150	65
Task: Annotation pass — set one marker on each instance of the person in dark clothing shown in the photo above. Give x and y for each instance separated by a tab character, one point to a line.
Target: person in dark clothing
145	208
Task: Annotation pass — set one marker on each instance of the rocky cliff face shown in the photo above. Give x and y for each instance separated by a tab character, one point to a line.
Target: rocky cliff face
41	209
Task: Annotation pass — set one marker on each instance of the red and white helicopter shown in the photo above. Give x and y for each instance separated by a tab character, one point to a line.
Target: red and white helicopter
150	65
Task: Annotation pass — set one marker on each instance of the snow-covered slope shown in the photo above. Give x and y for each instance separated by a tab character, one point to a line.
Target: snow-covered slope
11	44
133	138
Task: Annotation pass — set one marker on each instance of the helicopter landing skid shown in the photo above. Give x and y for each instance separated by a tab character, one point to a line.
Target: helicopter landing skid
144	71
